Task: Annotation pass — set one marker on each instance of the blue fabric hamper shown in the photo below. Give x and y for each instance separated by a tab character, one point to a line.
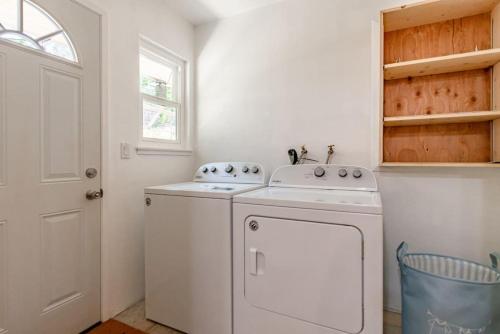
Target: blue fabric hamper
446	295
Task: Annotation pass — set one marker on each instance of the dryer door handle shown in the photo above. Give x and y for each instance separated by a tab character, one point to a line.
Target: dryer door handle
253	261
257	261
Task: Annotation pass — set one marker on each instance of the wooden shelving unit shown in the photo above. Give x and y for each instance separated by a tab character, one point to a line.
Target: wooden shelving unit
440	65
440	97
440	164
453	118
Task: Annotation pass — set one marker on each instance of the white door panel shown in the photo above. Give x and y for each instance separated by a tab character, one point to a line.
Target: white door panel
305	270
61	126
50	133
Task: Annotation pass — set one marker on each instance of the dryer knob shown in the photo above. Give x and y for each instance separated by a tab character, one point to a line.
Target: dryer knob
319	172
255	170
204	170
245	169
343	172
357	173
213	169
229	168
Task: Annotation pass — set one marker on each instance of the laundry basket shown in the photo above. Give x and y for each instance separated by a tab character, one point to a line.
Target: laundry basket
446	295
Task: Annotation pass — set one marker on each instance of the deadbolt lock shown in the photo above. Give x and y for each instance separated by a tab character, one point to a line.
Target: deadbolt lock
91	173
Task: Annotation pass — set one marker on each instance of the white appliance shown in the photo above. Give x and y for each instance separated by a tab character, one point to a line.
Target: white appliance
188	247
307	253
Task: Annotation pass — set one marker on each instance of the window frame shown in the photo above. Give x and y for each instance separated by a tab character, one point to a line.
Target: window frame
165	57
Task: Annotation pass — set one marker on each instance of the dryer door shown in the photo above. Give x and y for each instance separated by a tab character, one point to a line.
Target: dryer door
308	271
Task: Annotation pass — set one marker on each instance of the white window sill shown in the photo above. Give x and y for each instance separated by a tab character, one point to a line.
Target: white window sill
144	150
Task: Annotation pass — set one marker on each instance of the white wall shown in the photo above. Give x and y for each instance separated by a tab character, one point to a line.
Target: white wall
299	72
123	249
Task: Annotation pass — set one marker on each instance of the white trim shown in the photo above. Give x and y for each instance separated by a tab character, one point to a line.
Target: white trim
3	125
143	150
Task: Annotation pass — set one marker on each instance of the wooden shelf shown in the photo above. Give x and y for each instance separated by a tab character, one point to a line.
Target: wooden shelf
439	65
441	164
432	11
462	117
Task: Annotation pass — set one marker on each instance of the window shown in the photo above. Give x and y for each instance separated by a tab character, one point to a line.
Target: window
162	82
25	23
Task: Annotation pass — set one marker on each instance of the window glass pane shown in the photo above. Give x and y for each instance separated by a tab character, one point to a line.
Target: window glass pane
159	122
157	79
36	22
9	16
19	38
59	45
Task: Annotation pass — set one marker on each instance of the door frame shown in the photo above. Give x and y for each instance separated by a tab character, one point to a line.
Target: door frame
104	38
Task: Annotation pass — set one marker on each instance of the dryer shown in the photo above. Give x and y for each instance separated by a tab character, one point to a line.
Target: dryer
188	247
307	253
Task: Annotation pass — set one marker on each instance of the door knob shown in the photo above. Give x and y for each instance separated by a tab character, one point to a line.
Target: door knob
92	195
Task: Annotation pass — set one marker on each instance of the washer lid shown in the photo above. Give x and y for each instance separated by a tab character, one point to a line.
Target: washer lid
368	202
206	190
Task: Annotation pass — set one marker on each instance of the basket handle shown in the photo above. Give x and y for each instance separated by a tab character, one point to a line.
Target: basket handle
401	252
494	260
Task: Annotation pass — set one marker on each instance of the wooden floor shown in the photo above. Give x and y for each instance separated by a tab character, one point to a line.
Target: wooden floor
114	327
135	317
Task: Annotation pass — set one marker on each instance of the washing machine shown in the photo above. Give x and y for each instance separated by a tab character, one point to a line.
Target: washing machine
307	253
188	247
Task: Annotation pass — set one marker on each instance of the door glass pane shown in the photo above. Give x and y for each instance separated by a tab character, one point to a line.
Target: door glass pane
59	45
36	22
9	14
19	39
159	122
157	79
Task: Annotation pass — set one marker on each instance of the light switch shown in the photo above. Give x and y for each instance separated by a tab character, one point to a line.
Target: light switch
125	150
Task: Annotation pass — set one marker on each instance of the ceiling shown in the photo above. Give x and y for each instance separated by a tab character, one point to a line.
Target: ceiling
203	11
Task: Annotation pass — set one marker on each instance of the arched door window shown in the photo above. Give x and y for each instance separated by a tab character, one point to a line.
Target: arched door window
25	23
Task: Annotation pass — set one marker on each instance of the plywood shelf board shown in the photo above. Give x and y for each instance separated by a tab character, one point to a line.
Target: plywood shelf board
438	94
462	35
434	11
462	117
449	143
440	65
496	140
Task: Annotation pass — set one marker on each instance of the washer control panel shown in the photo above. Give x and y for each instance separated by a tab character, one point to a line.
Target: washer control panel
324	177
231	172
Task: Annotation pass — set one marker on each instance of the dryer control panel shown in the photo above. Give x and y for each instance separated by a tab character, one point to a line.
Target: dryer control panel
231	172
324	177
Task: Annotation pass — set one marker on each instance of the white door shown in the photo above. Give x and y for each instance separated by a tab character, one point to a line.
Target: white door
305	270
50	136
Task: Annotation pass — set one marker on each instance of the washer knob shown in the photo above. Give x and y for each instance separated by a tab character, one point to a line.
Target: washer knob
229	168
213	169
357	173
343	172
245	169
204	170
319	172
255	169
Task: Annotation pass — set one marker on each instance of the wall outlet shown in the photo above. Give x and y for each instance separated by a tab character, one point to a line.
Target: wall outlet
125	151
